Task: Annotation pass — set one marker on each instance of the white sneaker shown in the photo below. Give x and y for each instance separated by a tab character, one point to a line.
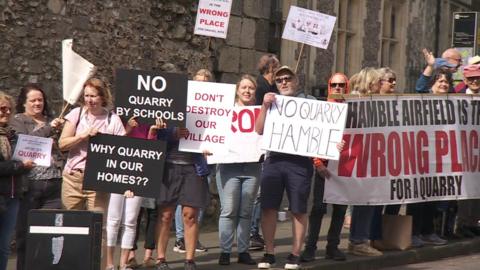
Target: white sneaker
433	239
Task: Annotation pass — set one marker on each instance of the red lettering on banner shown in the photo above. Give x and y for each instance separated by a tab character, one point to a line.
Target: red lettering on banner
441	149
360	146
378	155
212	23
409	160
348	158
474	145
394	156
422	156
244	125
456	166
465	151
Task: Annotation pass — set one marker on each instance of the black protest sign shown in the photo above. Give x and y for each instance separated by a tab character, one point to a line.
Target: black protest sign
116	164
150	95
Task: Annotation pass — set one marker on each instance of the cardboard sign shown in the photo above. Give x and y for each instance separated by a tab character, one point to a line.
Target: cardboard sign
117	163
309	27
404	149
212	18
243	144
36	149
209	114
304	127
150	95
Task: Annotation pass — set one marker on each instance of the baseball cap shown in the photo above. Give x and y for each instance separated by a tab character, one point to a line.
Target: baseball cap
285	68
474	60
443	63
471	71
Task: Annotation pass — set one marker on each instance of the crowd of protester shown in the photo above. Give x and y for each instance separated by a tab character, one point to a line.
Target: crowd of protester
250	193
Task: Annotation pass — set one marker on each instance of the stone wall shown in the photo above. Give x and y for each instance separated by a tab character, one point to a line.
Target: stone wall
31	33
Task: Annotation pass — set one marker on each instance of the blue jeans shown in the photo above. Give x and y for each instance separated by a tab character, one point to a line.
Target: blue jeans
237	186
7	227
256	215
362	216
179	231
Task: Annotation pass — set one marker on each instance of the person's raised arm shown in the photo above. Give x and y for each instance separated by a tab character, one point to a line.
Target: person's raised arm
268	99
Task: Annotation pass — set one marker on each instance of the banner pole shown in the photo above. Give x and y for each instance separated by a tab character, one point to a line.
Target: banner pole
299	57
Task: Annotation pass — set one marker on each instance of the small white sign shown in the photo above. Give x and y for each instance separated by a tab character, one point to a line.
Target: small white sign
309	27
36	149
304	127
209	116
212	18
243	144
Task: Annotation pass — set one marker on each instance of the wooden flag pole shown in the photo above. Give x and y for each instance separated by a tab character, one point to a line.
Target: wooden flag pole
299	57
65	107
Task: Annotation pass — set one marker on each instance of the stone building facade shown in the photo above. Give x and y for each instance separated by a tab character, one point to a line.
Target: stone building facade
158	35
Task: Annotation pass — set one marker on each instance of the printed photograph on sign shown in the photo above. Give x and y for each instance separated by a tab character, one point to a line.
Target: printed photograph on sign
116	164
309	27
212	18
209	116
304	127
149	95
405	149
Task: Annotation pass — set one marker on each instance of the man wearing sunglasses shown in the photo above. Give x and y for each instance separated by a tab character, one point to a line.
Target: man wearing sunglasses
283	172
451	60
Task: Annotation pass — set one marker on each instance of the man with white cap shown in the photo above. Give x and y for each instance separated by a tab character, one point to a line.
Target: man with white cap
284	172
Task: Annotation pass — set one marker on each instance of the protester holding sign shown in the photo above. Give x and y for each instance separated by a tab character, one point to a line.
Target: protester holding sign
11	187
44	183
184	182
283	172
92	117
202	75
237	187
123	209
367	82
469	210
338	85
423	213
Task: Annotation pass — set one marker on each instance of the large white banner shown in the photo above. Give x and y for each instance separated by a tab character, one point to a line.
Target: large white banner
243	144
75	72
309	27
304	127
36	149
403	149
209	114
212	18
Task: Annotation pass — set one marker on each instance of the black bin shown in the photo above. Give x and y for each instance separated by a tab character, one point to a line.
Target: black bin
64	239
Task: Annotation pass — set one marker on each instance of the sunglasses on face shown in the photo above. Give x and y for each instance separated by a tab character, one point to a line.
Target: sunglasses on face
5	109
335	85
390	80
280	80
471	79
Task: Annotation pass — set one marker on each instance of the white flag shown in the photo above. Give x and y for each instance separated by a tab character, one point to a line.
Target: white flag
76	71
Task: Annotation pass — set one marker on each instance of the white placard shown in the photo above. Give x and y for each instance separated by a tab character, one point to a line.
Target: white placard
304	127
36	149
212	18
309	27
243	144
76	71
209	114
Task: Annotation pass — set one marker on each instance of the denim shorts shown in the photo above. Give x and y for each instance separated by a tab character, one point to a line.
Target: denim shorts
289	173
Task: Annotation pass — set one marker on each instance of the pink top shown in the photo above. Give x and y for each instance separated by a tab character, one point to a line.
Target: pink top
78	154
